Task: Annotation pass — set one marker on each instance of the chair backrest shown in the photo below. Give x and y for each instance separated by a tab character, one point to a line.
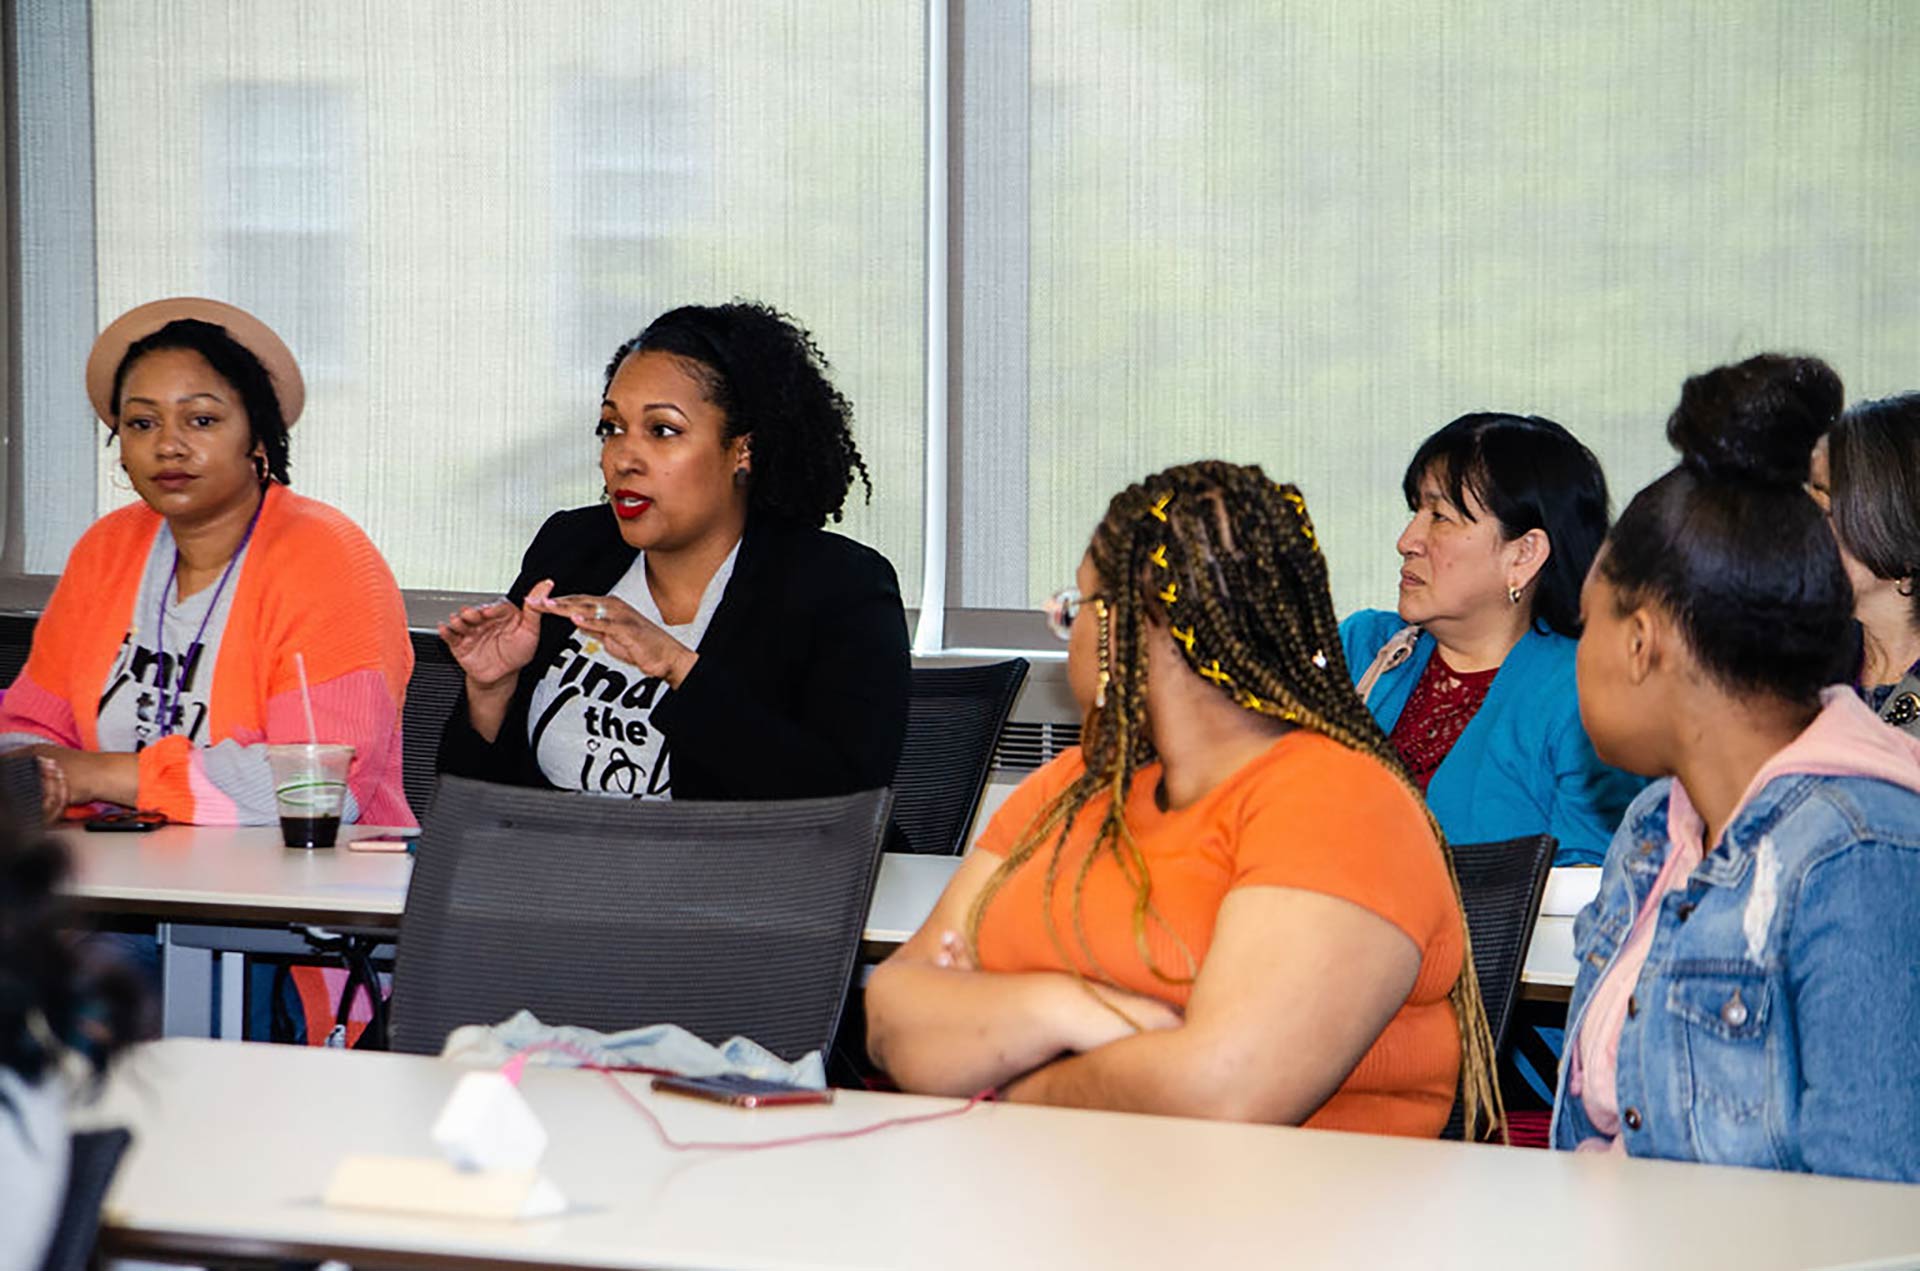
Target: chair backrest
20	788
1500	888
432	693
16	641
723	918
954	717
94	1157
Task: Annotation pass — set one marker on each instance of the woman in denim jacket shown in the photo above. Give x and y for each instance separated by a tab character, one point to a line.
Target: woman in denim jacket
1747	991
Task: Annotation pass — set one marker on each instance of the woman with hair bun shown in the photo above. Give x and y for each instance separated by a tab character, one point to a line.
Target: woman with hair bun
699	634
1746	991
1472	675
1866	474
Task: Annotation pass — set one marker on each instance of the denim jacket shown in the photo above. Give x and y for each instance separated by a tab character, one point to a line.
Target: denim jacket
1777	1021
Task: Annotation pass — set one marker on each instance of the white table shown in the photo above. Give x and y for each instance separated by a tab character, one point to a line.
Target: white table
234	1145
234	890
230	890
1548	973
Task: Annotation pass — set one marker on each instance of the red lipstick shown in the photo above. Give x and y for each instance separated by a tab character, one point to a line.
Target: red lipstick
628	504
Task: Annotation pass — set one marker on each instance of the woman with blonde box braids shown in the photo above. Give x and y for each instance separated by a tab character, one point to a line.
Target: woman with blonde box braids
1228	902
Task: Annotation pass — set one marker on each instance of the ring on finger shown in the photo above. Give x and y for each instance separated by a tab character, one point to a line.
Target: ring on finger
599	613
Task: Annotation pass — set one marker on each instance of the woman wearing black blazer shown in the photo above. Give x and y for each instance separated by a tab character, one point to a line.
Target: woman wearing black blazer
699	636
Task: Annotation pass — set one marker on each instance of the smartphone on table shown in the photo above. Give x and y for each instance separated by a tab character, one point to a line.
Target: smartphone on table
741	1092
131	821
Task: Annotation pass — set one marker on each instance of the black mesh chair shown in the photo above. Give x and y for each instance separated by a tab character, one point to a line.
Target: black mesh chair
954	717
432	693
90	1168
16	640
723	918
20	788
1500	887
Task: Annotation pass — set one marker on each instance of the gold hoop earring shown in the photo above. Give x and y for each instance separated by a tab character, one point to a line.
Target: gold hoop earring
120	481
1513	594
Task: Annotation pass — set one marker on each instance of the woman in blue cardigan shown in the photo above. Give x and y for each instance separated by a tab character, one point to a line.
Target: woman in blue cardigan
1472	677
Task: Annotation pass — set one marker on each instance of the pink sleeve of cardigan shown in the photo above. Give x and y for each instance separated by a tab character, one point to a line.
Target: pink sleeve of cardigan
31	715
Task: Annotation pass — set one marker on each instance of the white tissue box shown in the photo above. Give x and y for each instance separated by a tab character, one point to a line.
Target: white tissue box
487	1125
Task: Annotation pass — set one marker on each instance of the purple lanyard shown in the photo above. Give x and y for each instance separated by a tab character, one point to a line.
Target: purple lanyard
192	655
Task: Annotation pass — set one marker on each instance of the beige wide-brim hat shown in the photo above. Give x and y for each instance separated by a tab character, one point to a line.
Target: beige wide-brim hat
251	333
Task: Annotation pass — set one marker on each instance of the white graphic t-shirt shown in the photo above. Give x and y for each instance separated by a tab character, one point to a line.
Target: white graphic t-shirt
148	667
590	720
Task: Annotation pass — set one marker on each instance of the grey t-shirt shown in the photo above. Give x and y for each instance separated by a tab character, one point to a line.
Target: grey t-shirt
159	658
589	720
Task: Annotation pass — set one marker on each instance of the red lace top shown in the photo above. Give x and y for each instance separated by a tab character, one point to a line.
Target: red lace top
1441	706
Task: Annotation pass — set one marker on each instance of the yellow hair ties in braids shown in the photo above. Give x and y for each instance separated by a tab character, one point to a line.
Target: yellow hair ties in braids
1170	595
1300	506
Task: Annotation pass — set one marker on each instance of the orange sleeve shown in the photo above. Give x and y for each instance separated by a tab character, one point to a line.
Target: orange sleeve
1327	819
1013	816
165	782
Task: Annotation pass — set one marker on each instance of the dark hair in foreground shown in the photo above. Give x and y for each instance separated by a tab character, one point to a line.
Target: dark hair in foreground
1873	461
51	997
765	373
1532	474
235	363
1251	612
1729	542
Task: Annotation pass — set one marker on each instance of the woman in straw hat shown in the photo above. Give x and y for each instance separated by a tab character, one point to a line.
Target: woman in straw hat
166	658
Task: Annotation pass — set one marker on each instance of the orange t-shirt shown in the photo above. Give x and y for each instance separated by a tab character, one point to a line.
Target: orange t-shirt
1309	814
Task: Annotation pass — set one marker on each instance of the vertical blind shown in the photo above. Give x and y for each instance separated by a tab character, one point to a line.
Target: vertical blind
1283	231
455	210
1306	234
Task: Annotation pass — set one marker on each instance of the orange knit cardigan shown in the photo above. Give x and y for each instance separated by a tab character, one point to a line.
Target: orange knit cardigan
312	583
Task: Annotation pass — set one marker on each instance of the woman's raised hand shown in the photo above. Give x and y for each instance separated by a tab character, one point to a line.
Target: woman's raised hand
493	642
624	633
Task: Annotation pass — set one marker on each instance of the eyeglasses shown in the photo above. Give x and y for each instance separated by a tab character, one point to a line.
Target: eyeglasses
1063	607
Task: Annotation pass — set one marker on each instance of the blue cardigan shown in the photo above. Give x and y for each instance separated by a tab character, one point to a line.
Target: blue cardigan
1524	763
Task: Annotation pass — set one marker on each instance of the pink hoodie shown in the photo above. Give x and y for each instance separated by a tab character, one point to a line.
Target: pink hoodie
1846	739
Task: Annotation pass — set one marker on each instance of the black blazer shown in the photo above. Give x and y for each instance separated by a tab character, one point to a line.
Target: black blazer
801	686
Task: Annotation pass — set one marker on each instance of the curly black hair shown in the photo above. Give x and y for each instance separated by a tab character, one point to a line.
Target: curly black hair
768	377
